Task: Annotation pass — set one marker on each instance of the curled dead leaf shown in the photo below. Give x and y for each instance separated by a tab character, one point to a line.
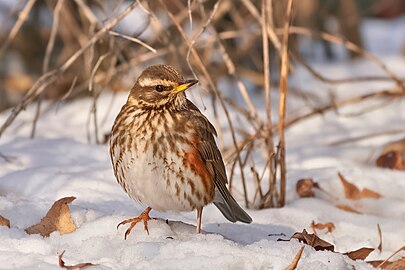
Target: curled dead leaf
320	226
360	254
76	266
313	240
58	219
391	160
353	192
305	187
4	221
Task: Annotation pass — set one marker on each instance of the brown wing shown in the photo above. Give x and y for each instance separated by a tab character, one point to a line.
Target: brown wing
212	157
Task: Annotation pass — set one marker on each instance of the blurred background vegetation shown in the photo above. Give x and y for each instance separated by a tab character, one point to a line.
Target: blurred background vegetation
235	25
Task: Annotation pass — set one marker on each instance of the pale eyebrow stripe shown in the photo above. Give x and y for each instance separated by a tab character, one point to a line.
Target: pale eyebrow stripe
149	82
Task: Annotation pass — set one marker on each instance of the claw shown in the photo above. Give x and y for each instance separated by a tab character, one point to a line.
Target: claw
142	217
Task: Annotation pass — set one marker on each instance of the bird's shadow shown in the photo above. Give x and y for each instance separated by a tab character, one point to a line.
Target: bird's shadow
246	234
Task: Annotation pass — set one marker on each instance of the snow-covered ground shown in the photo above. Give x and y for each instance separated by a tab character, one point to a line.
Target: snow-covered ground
60	162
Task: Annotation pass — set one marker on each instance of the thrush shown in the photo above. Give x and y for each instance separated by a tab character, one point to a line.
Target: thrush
163	151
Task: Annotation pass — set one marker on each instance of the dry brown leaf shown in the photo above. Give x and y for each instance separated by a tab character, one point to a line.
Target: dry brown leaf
392	255
4	221
353	192
297	258
391	160
347	208
57	219
368	193
380	236
313	240
387	265
76	266
360	254
380	263
398	146
397	265
305	187
320	226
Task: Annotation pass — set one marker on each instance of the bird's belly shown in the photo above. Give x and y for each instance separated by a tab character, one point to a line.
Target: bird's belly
164	184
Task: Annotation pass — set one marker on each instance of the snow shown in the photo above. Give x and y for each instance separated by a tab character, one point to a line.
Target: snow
62	161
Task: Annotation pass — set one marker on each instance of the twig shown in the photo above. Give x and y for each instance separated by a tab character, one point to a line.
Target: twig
45	66
366	136
36	117
12	12
322	78
52	37
283	102
395	253
270	30
87	12
232	71
349	45
21	19
202	30
269	140
340	103
227	60
133	39
95	95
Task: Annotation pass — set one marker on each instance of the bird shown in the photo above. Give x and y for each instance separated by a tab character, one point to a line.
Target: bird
164	154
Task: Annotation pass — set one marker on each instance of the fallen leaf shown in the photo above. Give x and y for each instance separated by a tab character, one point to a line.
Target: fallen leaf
387	265
305	187
313	240
353	192
320	226
397	265
380	263
360	254
297	257
347	208
398	146
76	266
380	236
57	219
4	221
391	160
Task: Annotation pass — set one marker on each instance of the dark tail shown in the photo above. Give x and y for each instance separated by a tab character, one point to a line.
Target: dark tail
230	208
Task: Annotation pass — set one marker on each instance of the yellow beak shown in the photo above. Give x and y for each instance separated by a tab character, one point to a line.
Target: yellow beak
184	86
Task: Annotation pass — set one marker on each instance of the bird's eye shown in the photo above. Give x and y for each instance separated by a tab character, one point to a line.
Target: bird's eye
159	88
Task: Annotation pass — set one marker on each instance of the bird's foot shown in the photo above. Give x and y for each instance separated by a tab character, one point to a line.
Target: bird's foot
142	217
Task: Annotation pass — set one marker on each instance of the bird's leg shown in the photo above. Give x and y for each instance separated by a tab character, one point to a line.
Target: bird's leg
142	217
199	217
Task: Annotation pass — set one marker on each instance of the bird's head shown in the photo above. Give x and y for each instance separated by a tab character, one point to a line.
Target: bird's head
160	86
